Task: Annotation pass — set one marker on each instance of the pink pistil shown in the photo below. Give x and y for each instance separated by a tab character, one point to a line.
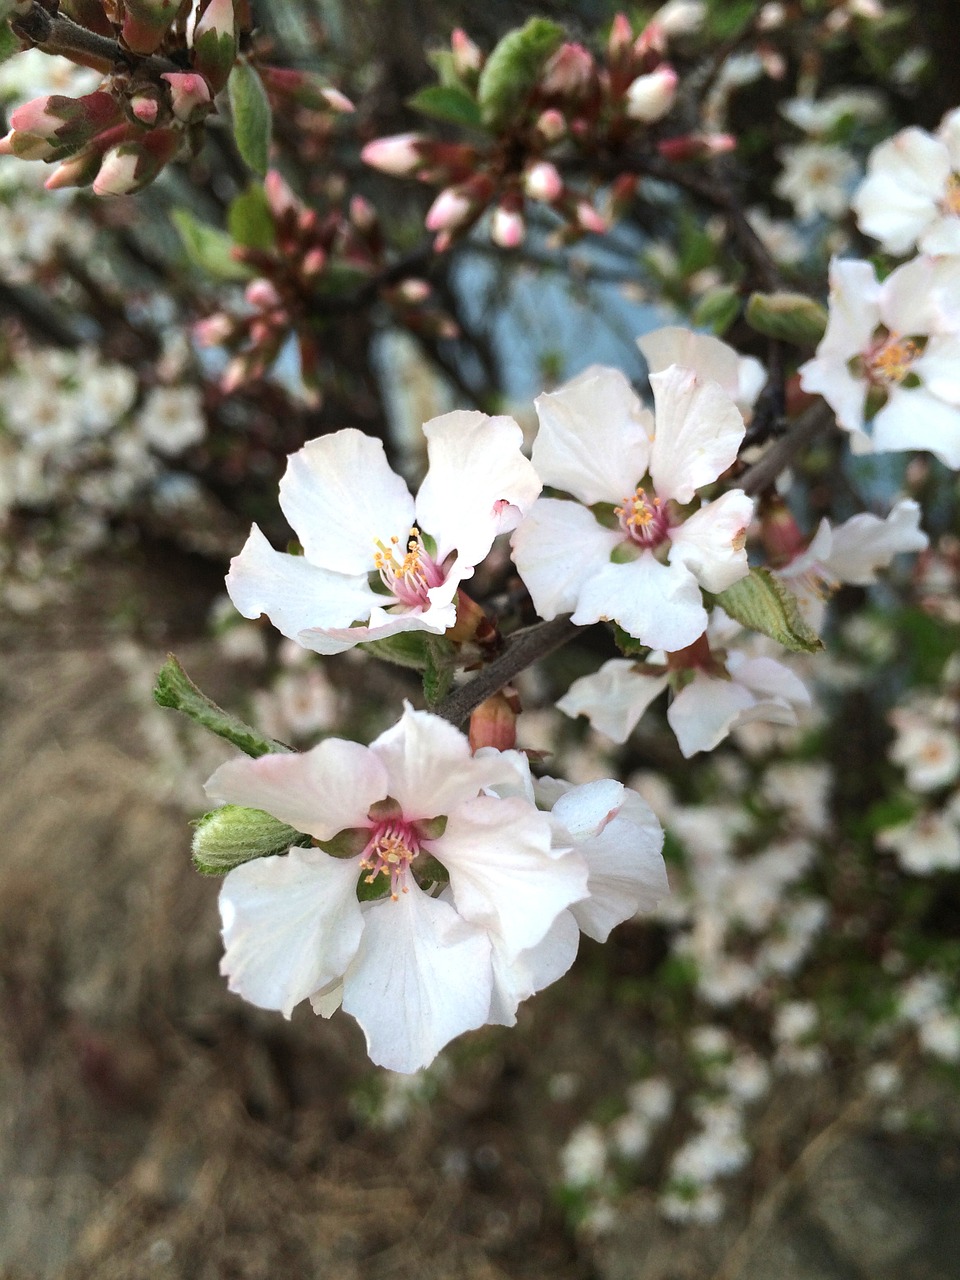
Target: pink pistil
643	519
410	577
392	846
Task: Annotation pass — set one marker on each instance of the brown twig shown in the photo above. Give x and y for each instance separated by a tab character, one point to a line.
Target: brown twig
55	34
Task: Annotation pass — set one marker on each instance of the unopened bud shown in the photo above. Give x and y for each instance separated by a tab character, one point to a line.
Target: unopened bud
399	155
146	23
262	294
190	95
542	181
314	262
621	37
280	197
146	108
791	317
650	97
589	219
467	58
696	146
215	43
681	17
232	835
570	72
494	722
414	291
551	125
453	207
77	171
213	331
507	228
362	213
132	165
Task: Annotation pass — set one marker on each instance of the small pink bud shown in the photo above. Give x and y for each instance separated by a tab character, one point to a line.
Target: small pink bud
652	39
399	154
507	228
189	94
552	126
467	57
76	171
145	108
280	197
696	146
542	181
570	72
621	37
414	291
118	174
314	262
262	294
40	116
337	101
589	219
362	213
213	330
650	97
215	43
451	209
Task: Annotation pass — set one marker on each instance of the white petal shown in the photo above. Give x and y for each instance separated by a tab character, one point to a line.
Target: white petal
518	979
914	419
429	765
865	543
706	355
478	484
321	791
422	975
907	176
584	811
704	712
328	640
556	549
943	236
711	542
658	604
294	594
939	368
328	999
291	925
854	309
908	301
614	698
767	678
594	437
699	431
828	376
504	872
626	871
340	496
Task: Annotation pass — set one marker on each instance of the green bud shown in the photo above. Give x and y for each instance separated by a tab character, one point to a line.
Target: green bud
230	836
790	317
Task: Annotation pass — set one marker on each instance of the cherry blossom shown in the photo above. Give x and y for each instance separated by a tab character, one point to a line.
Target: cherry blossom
471	884
890	356
817	178
375	562
625	550
911	194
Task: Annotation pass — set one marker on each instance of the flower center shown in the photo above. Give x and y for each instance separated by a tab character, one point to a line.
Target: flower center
392	846
889	360
951	196
410	575
643	519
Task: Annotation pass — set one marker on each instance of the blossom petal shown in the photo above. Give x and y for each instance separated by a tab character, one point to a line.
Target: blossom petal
658	604
516	980
914	419
828	376
504	872
340	496
865	543
584	811
478	484
767	678
321	791
699	431
291	925
294	594
430	767
625	866
556	550
594	437
711	542
706	355
422	975
854	310
614	698
906	178
939	368
381	623
705	710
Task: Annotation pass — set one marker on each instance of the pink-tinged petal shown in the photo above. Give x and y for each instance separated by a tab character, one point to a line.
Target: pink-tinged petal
865	543
914	419
584	811
291	925
422	975
705	710
594	438
854	309
478	483
556	550
340	497
711	542
626	870
516	980
658	604
706	355
828	376
504	873
321	791
295	595
699	431
939	368
430	767
614	698
768	679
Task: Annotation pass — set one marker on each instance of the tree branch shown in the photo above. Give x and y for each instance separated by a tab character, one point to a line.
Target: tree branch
59	35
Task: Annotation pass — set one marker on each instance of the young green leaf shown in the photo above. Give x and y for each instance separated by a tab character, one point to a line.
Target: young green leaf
249	220
512	69
175	689
208	247
791	317
761	601
449	103
252	118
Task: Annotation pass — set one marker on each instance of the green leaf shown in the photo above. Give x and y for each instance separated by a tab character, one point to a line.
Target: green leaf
208	247
252	118
9	44
230	836
512	69
718	309
628	646
791	317
175	689
761	601
250	221
405	649
449	103
438	674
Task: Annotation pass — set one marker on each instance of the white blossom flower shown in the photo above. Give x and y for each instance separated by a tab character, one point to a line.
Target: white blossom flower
375	562
172	419
817	178
817	117
891	352
623	550
414	969
911	194
927	843
940	1035
583	1158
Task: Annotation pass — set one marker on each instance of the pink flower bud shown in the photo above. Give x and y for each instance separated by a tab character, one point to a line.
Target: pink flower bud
262	294
362	213
215	43
696	146
552	126
542	181
589	219
507	228
337	101
570	72
650	97
190	94
621	37
314	262
119	170
146	108
77	171
467	57
451	209
414	291
40	116
399	154
280	198
213	330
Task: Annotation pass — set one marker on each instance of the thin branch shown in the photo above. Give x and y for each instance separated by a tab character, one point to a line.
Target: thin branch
59	35
778	457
